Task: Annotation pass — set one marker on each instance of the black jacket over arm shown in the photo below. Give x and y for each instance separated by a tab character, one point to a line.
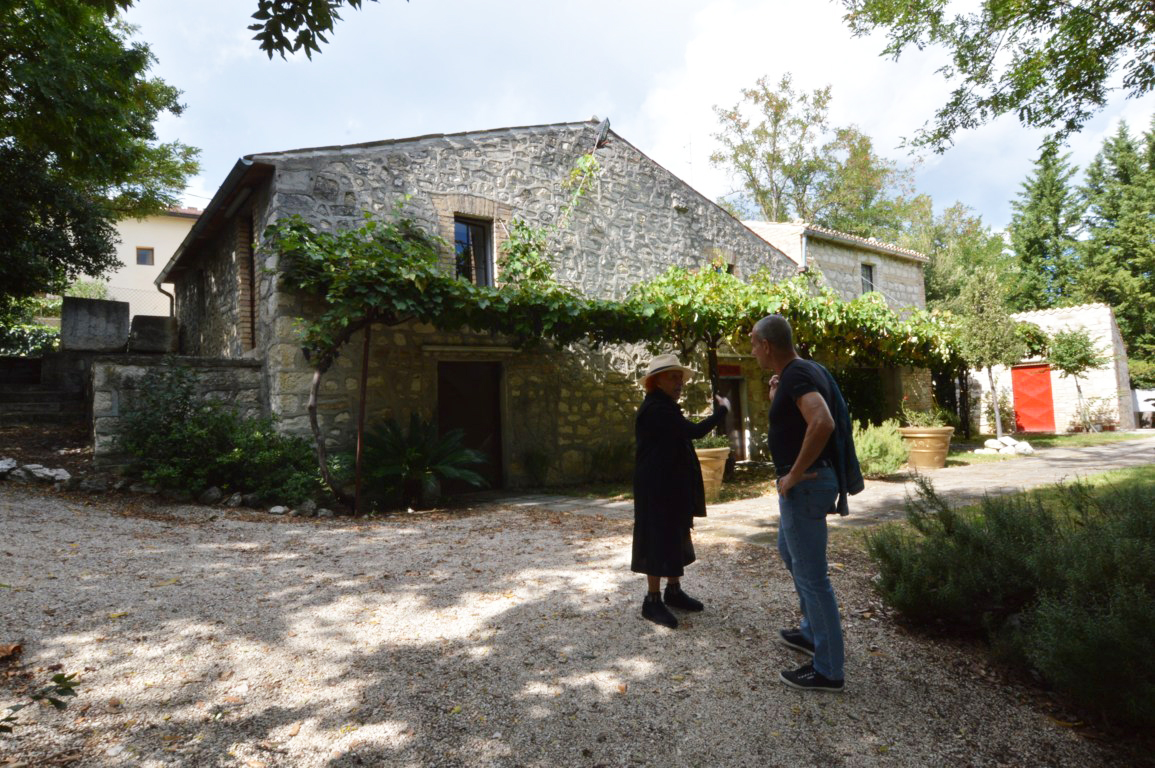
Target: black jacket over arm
668	491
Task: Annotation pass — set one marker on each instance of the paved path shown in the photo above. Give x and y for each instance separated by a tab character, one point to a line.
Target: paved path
756	520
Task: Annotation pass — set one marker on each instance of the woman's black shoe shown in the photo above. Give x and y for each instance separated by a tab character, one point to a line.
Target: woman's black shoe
656	611
676	598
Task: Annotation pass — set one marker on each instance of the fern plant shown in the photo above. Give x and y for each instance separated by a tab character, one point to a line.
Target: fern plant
407	467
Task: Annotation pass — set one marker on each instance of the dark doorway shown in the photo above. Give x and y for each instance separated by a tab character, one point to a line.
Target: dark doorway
469	398
731	389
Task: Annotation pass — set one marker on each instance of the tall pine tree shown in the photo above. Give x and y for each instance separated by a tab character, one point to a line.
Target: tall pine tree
1119	253
1044	233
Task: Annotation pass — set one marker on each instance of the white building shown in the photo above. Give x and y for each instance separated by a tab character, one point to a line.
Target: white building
1046	401
145	247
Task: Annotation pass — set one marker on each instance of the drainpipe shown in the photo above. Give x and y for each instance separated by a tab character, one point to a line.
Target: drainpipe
171	301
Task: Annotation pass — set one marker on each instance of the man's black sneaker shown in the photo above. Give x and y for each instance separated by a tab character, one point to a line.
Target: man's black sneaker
805	678
796	640
676	598
656	611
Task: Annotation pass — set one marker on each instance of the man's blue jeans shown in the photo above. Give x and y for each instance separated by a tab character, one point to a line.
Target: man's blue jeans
802	544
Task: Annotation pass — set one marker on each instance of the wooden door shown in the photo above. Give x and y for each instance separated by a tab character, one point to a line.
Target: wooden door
469	398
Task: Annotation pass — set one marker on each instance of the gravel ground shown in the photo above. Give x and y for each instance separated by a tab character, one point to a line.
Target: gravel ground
489	637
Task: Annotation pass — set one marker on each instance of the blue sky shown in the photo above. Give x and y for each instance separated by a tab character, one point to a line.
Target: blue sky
656	68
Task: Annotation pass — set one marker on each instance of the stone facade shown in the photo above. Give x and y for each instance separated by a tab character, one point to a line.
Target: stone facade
115	381
570	411
1108	390
840	258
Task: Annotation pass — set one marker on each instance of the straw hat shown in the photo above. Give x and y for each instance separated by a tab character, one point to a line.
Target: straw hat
667	362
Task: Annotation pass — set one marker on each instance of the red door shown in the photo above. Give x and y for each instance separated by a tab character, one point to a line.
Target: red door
1034	407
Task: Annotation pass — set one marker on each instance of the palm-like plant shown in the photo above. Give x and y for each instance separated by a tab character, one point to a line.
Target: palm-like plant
408	466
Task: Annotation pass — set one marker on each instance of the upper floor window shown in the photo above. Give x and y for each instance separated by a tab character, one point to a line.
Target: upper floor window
144	256
472	244
867	278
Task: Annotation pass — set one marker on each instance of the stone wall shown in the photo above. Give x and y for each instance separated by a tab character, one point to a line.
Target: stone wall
115	382
572	409
899	280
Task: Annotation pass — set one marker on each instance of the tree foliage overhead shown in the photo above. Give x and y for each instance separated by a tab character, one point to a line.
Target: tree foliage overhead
792	164
1051	64
78	149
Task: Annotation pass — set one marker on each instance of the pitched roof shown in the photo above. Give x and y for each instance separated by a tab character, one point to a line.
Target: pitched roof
768	230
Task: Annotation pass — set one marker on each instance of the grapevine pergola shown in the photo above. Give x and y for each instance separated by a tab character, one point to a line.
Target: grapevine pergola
387	271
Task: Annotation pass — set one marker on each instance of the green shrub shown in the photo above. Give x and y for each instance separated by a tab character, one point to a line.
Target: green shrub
967	570
1142	373
880	450
1062	582
406	467
28	340
712	441
181	441
537	463
611	462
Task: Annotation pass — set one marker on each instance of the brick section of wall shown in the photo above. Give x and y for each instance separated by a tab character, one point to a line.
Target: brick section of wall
246	300
115	381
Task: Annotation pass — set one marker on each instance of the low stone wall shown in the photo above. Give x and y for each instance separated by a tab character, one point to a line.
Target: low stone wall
115	382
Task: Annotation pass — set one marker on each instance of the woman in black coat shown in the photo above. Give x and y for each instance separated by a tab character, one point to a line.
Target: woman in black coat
668	492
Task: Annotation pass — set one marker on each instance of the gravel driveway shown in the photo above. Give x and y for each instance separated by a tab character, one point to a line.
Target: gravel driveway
492	637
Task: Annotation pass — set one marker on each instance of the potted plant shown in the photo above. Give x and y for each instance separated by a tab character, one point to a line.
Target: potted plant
712	450
927	435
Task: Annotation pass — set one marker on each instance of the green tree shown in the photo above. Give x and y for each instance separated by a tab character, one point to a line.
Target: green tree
1073	353
1052	64
957	243
987	333
1044	233
77	145
1118	254
792	164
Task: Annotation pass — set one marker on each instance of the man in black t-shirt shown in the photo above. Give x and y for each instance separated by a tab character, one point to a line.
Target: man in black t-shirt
802	447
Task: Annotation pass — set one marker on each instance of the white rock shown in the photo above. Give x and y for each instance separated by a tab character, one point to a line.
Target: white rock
985	451
6	466
1007	450
278	510
1024	448
1008	440
993	444
47	475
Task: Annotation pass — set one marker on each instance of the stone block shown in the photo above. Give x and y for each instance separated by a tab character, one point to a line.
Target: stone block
94	325
150	333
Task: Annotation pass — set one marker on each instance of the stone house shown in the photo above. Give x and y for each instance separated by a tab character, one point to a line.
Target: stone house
851	265
543	416
1044	400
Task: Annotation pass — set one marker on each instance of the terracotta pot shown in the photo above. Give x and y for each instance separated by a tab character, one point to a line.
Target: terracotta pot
928	445
713	461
